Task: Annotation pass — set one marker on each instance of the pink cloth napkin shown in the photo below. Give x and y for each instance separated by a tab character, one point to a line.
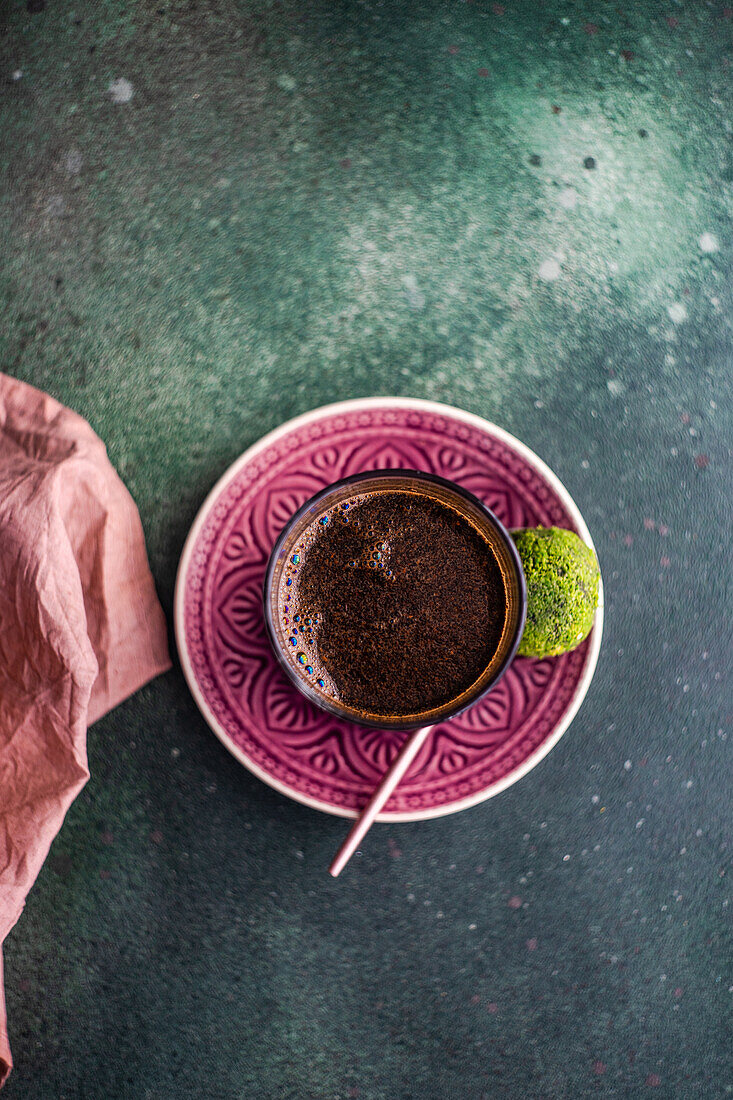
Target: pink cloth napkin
80	625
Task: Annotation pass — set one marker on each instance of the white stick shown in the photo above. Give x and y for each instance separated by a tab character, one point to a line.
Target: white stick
363	823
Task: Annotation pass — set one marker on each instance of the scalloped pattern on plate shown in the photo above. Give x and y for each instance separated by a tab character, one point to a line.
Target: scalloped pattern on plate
298	748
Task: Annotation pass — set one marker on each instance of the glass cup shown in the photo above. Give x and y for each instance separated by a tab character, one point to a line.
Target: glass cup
443	491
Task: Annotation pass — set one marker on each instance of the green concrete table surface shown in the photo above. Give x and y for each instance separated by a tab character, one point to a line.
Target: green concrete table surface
218	214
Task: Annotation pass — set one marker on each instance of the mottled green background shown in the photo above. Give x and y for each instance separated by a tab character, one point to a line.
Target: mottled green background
302	202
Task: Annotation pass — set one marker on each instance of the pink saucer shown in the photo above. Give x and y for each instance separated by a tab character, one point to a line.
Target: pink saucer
241	691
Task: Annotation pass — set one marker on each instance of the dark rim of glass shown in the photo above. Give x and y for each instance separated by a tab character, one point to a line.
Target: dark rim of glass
332	706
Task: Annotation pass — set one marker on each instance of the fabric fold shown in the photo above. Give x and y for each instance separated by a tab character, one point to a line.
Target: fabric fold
81	627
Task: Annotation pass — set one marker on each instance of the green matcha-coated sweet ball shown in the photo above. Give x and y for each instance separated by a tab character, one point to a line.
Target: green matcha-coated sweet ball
562	590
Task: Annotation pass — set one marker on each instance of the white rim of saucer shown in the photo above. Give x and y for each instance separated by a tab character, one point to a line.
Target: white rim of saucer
343	407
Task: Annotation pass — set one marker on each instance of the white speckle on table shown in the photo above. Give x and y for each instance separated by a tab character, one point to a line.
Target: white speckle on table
627	765
585	464
413	295
56	206
72	162
121	90
472	928
595	799
175	753
615	387
677	313
18	74
549	270
708	243
286	82
640	822
568	198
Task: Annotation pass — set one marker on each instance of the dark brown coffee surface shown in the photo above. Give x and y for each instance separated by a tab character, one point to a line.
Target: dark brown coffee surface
397	603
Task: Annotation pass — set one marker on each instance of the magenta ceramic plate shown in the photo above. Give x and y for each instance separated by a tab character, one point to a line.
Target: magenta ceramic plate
236	681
